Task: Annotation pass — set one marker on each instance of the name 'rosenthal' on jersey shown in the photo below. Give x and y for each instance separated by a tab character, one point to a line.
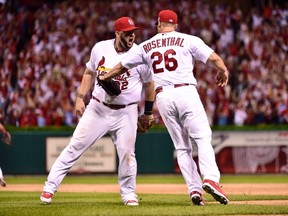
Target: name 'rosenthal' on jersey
171	57
164	42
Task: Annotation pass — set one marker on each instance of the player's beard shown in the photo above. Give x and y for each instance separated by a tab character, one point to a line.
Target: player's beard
125	44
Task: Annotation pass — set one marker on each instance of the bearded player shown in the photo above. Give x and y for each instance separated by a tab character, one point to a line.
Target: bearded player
116	115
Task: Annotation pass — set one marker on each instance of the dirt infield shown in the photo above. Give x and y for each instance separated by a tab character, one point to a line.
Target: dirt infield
244	189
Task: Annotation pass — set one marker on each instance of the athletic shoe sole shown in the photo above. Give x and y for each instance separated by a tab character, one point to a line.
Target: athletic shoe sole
132	203
215	193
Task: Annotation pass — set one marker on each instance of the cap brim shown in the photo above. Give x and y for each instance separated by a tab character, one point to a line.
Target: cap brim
130	29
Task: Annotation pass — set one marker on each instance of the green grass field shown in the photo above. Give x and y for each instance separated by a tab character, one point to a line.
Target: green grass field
28	203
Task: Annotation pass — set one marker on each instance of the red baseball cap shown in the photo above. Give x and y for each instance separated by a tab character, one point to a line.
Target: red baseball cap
168	16
125	24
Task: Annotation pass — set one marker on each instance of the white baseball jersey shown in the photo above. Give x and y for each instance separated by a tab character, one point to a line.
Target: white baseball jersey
98	119
171	57
131	85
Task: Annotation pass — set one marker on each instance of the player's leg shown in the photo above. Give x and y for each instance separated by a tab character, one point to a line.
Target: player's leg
87	131
196	122
2	182
123	134
209	169
189	170
183	146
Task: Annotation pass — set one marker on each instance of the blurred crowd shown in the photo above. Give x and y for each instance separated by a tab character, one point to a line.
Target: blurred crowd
43	52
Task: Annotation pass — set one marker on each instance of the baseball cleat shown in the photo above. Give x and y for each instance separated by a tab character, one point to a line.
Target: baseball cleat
197	198
46	197
215	190
2	182
132	203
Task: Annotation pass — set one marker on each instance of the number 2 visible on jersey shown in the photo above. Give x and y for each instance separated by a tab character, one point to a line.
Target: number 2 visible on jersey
170	63
122	84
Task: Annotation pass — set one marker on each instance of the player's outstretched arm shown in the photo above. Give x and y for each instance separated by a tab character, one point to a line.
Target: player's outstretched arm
149	91
223	74
6	136
115	71
146	121
2	128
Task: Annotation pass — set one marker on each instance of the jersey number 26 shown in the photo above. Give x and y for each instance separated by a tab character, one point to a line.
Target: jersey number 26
170	63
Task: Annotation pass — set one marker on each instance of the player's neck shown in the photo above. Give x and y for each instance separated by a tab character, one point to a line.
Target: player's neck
119	48
167	30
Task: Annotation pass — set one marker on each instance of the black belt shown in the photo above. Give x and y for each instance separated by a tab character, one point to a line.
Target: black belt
160	89
112	106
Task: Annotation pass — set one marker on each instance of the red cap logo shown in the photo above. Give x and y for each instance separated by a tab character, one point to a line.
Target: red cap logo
125	24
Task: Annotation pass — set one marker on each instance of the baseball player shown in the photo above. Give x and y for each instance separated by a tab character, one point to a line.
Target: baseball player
104	114
2	182
171	56
6	139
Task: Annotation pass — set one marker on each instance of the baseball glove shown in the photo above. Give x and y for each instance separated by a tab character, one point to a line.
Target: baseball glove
6	138
145	122
111	87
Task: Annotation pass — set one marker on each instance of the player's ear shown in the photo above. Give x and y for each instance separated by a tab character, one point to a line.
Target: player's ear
117	33
158	26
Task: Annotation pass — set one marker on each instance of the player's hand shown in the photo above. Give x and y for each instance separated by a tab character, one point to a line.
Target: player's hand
145	122
222	78
6	137
79	107
101	77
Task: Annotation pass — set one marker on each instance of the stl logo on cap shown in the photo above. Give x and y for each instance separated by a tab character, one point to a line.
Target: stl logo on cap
125	24
131	22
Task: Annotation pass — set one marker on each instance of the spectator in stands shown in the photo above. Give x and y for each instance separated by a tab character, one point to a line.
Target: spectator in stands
240	114
41	51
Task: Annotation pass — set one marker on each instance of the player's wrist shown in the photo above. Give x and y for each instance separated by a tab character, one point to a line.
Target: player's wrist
148	107
148	113
79	95
104	77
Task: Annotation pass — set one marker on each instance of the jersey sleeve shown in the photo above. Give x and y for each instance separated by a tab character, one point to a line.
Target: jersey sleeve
200	50
91	63
145	73
133	58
